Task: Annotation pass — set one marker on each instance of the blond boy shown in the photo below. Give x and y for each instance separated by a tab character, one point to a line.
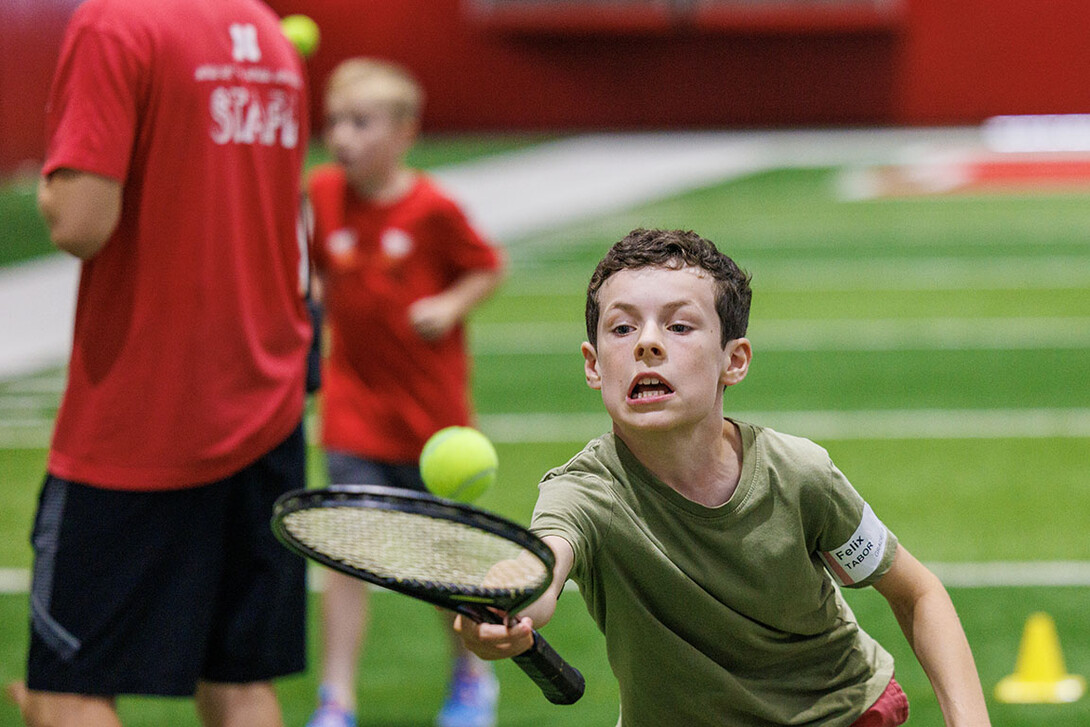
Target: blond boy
400	268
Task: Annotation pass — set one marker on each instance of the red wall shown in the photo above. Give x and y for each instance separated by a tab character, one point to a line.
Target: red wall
929	62
965	60
673	75
30	36
932	62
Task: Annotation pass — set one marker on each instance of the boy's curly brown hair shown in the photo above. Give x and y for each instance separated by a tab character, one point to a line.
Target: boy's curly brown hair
676	249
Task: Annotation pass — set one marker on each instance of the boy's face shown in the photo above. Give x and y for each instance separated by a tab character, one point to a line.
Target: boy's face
658	361
365	136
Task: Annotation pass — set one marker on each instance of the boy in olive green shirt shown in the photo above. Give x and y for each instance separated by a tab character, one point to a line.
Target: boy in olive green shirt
706	548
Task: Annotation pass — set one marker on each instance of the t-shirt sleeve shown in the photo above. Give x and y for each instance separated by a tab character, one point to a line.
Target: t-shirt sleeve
575	510
855	546
91	116
325	187
466	249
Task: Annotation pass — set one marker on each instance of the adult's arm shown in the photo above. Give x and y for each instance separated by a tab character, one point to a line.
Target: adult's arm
81	210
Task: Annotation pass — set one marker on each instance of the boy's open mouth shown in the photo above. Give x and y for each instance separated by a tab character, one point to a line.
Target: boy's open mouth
649	387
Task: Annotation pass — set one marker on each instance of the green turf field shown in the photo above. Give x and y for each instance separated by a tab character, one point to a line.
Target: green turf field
939	348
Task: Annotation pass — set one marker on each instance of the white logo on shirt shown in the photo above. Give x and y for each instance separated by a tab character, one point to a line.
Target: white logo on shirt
244	43
396	244
862	554
246	116
341	242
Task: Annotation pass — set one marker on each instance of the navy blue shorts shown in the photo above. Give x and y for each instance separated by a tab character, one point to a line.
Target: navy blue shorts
152	592
348	469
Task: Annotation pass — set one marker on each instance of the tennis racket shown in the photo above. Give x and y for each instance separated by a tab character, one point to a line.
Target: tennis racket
434	550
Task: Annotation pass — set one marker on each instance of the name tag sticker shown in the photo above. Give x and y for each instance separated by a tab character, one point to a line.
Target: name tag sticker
862	554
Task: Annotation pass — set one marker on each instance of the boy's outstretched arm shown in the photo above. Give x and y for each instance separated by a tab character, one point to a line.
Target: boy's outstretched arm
433	316
501	641
930	623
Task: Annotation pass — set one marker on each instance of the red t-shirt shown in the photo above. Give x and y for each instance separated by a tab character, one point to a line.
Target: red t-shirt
190	333
385	390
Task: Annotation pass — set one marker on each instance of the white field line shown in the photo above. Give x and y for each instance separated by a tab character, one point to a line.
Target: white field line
869	334
20	402
898	274
1042	272
36	437
948	334
26	418
1005	574
47	384
14	580
1000	574
894	424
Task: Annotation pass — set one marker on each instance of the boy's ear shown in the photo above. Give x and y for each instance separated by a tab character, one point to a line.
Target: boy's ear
736	358
590	366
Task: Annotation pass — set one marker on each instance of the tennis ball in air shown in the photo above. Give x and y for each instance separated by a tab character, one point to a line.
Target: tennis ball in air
302	32
458	463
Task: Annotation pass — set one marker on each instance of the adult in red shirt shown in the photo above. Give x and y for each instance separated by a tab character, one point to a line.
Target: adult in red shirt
400	269
176	133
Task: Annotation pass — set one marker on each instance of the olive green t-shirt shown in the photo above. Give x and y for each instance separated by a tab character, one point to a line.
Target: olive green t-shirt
726	615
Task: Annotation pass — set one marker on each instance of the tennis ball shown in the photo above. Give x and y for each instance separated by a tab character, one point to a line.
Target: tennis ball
458	463
302	32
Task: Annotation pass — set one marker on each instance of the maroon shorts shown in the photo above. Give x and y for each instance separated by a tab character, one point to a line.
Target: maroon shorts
890	710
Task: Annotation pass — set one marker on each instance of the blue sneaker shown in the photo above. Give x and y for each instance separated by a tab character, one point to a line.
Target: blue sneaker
330	713
472	700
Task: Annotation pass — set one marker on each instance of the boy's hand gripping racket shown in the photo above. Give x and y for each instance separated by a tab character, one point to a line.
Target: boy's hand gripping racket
434	550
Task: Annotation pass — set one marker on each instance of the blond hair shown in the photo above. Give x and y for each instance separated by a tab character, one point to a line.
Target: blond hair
384	82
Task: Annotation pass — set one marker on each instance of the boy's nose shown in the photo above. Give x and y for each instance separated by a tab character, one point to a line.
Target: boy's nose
337	132
648	348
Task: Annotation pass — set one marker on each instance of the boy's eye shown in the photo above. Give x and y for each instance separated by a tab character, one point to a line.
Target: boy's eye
622	329
679	328
356	122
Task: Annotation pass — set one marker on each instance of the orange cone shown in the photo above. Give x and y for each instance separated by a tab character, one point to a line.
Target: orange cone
1040	676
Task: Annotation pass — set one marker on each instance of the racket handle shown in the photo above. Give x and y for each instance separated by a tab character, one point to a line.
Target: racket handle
559	681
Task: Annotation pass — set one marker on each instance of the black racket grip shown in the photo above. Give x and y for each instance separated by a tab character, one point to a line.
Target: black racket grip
559	681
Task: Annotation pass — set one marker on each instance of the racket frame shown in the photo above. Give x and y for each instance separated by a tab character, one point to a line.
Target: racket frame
560	682
474	602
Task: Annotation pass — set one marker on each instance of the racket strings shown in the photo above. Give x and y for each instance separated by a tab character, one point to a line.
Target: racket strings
407	547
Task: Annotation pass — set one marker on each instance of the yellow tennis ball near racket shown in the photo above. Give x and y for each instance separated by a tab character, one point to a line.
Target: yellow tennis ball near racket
458	463
303	33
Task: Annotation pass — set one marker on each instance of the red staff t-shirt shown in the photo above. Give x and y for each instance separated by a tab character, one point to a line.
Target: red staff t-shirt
385	389
190	334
